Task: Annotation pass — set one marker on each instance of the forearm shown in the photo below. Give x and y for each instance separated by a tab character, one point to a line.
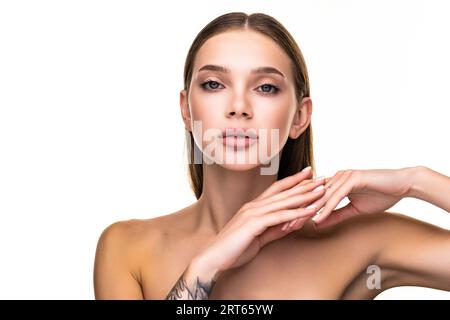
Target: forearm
430	186
196	283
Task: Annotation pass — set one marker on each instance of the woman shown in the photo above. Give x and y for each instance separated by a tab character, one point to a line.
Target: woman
259	232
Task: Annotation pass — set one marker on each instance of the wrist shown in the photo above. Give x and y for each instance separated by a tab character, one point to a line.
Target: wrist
205	271
416	175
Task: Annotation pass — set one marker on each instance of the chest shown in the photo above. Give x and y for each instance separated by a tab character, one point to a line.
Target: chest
304	270
286	277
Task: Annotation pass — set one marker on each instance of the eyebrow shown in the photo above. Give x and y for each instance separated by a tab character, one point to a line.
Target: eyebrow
259	70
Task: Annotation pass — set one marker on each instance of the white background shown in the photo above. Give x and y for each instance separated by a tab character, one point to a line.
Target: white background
91	132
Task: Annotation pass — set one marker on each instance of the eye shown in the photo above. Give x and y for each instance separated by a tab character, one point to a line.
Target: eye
267	87
213	85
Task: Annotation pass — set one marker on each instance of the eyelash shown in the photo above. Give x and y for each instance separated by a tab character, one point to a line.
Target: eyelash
275	88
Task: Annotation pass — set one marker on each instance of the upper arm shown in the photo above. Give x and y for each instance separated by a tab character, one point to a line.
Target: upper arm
417	252
113	274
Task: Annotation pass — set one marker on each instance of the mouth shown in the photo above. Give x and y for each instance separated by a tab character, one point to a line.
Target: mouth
239	137
240	133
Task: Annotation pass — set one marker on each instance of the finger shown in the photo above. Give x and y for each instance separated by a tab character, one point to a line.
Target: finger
338	216
278	217
298	189
340	192
294	223
285	183
298	224
319	203
294	201
333	184
276	232
330	181
305	181
290	225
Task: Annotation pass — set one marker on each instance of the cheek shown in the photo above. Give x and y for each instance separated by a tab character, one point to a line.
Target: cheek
276	117
276	127
206	113
206	107
275	120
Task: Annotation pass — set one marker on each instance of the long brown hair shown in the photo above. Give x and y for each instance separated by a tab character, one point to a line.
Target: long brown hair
296	153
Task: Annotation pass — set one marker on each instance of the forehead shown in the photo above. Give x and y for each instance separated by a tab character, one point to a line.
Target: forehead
242	51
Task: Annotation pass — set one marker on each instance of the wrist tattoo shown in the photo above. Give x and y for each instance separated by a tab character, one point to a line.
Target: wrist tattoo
200	291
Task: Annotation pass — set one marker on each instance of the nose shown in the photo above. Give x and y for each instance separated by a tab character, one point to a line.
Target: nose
239	107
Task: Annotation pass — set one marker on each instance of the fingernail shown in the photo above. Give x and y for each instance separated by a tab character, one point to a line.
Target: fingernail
306	169
295	224
285	226
312	206
318	188
318	178
316	217
292	223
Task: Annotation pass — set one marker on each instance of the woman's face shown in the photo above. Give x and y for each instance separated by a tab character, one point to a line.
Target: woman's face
242	80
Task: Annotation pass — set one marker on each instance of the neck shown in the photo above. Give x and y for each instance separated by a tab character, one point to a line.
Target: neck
225	192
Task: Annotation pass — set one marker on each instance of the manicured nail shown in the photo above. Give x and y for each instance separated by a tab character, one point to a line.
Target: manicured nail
318	178
292	223
306	169
296	224
285	226
318	188
312	206
316	217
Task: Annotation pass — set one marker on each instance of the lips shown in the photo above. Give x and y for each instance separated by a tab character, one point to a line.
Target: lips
240	133
239	137
236	142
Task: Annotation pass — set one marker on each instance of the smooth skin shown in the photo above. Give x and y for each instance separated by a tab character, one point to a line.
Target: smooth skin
139	259
326	259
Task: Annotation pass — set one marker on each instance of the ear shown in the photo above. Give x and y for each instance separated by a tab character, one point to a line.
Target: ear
302	118
185	112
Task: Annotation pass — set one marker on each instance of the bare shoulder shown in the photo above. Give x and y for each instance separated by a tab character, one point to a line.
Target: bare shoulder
387	227
132	232
130	238
405	250
126	235
381	226
403	238
121	250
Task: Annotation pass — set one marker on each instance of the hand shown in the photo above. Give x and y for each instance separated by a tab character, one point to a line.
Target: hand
261	221
369	191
